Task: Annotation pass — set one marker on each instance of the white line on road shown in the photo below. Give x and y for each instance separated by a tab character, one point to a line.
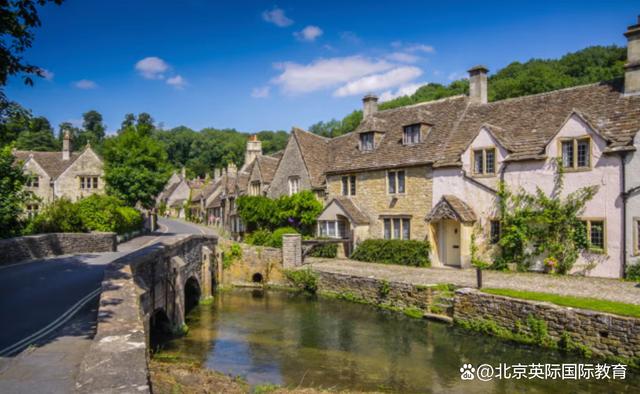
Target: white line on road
54	325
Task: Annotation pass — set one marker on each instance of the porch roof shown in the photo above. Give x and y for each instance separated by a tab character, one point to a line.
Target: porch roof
348	208
451	207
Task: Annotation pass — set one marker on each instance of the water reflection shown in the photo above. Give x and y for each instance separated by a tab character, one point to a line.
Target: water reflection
290	339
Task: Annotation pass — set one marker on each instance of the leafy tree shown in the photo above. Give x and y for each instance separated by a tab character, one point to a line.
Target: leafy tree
12	195
17	21
136	167
94	129
129	121
38	136
257	212
13	120
145	123
76	143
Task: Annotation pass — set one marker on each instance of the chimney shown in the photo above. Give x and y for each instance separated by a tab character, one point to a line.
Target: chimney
66	145
478	84
369	105
184	172
232	170
253	150
217	173
632	67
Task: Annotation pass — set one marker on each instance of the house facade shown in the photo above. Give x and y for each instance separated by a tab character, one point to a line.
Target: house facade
66	174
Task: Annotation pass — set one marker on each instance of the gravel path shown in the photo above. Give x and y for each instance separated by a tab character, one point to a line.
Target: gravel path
602	288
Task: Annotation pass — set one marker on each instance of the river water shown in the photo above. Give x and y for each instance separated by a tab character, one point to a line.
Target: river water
294	340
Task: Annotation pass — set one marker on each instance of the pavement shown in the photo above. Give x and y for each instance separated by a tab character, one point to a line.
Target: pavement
57	297
579	286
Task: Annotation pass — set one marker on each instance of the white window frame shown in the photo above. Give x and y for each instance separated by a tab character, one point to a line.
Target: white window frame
254	188
373	141
331	229
294	185
409	131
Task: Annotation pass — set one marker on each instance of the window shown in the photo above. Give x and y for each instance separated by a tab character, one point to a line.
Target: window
349	185
484	161
294	185
411	134
395	182
254	188
366	141
495	231
88	182
396	228
576	153
32	210
33	181
595	234
332	229
637	234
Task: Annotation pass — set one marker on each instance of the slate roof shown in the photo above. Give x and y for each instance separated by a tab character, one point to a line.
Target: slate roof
216	202
315	154
351	210
206	191
267	166
441	116
51	162
242	181
451	207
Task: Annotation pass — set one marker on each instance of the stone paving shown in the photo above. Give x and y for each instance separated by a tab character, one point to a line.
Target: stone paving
602	288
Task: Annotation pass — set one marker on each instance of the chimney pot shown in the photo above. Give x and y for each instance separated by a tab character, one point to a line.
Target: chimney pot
632	67
369	105
478	84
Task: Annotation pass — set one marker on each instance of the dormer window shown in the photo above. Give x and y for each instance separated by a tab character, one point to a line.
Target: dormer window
294	185
411	135
484	161
366	141
254	188
576	153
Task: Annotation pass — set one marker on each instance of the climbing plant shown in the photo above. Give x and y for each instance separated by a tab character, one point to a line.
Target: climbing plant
537	224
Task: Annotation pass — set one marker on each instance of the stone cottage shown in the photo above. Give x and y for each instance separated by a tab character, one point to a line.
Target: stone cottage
66	174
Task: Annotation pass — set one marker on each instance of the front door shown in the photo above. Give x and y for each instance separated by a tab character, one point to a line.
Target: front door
451	247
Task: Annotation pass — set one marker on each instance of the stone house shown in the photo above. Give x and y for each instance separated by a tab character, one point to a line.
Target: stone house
65	174
174	195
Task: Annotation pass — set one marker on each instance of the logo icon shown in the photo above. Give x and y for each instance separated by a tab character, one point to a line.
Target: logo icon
467	371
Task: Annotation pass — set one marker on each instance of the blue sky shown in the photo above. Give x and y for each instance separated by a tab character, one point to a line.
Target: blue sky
257	65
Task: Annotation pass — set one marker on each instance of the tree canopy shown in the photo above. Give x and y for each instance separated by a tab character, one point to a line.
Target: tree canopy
13	196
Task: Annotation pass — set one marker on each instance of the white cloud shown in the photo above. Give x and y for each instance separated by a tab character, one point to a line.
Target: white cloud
309	33
325	73
177	82
402	57
404	90
395	77
261	92
277	17
420	48
46	74
350	37
152	67
85	84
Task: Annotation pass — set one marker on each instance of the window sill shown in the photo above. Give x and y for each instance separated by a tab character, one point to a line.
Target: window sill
597	251
483	175
579	169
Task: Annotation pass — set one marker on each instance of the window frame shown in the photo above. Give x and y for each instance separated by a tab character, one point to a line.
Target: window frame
412	128
33	181
574	165
255	188
294	180
373	141
396	183
335	225
494	239
483	152
588	222
636	235
348	185
391	221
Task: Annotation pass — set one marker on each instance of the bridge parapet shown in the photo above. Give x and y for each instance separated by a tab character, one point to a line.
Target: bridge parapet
161	278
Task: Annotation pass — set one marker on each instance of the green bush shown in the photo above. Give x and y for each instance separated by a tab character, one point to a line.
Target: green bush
633	272
305	280
394	251
61	216
325	250
276	237
100	213
132	220
259	238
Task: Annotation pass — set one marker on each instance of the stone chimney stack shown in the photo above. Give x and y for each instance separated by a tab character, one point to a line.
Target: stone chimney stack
369	105
478	84
253	150
232	170
632	67
183	172
66	145
217	173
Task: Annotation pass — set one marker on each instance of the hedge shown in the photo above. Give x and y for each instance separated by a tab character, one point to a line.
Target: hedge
325	250
267	238
412	253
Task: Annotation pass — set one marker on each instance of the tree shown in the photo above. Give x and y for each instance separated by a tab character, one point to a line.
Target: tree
129	120
76	143
17	20
13	120
12	195
136	167
38	136
93	132
145	123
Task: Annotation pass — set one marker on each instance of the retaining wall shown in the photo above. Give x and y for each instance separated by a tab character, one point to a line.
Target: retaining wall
262	260
43	245
605	334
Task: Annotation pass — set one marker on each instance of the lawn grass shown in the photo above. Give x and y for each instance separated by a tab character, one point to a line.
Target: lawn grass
617	308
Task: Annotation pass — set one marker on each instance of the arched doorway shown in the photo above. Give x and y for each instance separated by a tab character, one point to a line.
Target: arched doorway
191	294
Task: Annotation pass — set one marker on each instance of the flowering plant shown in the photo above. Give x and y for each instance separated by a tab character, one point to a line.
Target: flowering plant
550	264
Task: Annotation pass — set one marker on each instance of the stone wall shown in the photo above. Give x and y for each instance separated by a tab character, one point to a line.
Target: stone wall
255	260
291	164
68	183
43	245
605	334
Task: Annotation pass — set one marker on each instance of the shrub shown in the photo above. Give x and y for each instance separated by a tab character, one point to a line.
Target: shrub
233	253
633	272
100	213
276	237
413	253
61	216
131	220
305	280
325	250
259	237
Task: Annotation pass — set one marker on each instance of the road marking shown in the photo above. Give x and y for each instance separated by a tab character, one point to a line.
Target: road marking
54	325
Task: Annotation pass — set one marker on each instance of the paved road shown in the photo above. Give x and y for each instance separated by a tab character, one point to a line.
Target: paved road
36	293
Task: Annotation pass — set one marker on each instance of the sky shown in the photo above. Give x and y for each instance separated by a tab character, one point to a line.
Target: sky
263	65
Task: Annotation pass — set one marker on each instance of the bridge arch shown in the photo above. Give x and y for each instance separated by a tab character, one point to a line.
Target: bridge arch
192	293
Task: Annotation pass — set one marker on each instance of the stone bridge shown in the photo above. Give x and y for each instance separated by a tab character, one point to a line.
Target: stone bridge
145	295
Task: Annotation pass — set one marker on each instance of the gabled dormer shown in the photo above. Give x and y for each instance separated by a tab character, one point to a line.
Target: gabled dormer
484	155
371	132
415	133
